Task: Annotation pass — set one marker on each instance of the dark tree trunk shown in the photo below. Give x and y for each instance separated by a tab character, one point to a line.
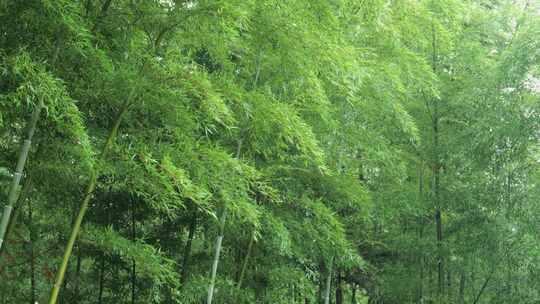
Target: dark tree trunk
339	288
32	256
440	266
353	293
449	282
421	224
133	270
328	283
436	176
246	259
187	248
483	288
321	284
461	296
101	278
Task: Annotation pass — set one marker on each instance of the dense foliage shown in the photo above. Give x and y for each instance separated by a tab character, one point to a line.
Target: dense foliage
270	151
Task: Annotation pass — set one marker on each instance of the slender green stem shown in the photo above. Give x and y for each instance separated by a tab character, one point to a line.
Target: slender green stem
84	206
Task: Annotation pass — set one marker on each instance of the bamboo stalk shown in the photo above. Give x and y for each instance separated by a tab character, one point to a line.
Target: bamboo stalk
21	162
14	187
84	206
246	259
216	256
219	240
16	211
101	278
328	283
187	248
133	265
32	254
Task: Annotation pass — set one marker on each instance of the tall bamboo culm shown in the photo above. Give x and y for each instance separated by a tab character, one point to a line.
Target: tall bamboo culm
328	283
219	240
23	155
84	206
246	259
14	186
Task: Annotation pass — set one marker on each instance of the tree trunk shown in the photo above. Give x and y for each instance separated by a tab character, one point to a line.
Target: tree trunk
187	248
84	206
483	288
32	256
437	203
449	281
133	281
23	155
14	186
22	197
101	278
216	256
328	283
440	268
115	282
133	270
321	284
420	290
339	288
461	296
353	293
436	176
246	259
219	240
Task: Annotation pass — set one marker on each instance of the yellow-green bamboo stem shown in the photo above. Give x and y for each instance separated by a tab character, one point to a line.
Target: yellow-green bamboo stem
84	206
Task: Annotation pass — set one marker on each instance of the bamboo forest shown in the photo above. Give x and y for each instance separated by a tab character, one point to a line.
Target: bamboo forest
270	151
